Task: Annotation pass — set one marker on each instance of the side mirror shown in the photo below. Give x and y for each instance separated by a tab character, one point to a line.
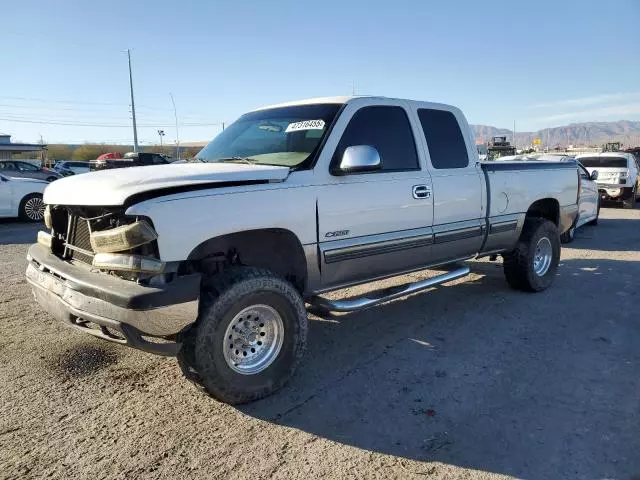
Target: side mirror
594	175
359	158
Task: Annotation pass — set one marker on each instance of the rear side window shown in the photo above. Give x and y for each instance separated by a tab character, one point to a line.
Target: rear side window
604	162
444	139
388	130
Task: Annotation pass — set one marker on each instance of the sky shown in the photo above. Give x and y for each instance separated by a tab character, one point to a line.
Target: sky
541	64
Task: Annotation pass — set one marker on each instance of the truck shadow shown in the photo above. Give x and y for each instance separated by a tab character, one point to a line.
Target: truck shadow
611	234
481	376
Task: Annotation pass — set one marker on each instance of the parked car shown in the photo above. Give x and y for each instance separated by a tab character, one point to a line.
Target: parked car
16	168
131	159
588	201
71	168
22	197
217	258
618	176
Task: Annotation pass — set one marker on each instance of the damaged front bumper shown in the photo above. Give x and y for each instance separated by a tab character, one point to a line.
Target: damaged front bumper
123	311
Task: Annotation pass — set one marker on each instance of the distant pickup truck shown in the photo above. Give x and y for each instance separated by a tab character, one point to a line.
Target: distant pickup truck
214	260
618	175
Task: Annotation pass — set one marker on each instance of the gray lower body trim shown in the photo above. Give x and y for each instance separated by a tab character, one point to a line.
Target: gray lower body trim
377	248
504	231
459	234
502	227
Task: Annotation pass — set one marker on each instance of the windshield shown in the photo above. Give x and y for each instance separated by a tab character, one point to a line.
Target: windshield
604	162
287	136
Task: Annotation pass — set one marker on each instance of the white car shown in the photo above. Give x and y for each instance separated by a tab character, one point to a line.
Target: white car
618	175
22	197
588	202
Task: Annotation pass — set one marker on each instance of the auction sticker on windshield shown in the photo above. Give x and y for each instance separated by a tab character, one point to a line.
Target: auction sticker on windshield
306	125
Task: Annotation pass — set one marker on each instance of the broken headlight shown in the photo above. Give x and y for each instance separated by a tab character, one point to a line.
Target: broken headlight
125	237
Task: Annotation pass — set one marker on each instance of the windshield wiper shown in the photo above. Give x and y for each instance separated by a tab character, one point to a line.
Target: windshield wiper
248	160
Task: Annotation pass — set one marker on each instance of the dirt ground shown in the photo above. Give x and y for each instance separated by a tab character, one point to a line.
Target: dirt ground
469	380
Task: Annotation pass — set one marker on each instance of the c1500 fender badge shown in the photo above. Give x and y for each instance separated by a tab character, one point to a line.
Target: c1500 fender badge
337	233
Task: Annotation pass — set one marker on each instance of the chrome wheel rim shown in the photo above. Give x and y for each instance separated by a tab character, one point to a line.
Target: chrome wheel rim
542	256
34	208
253	339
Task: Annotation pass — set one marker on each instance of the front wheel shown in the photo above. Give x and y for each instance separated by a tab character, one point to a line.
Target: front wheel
595	220
249	337
531	266
569	235
630	200
32	208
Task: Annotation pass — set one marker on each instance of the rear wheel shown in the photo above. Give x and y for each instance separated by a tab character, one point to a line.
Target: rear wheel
249	337
630	200
595	220
531	266
32	208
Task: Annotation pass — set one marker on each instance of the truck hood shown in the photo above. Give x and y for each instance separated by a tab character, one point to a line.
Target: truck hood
112	187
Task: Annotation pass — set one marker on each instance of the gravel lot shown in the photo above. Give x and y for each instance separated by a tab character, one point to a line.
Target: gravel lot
476	381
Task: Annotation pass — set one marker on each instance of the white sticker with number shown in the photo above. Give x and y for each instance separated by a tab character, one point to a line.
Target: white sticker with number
306	125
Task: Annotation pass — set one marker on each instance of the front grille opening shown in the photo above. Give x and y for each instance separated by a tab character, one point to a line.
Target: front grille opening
78	244
72	233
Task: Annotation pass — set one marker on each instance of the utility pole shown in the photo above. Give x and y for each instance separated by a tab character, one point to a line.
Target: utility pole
515	144
175	114
133	105
161	134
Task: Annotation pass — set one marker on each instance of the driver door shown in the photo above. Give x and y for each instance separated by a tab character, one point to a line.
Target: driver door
374	223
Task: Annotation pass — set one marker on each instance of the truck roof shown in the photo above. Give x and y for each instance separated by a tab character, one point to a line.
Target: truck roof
309	101
346	98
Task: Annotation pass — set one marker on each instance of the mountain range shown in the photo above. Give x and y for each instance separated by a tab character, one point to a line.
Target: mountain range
584	134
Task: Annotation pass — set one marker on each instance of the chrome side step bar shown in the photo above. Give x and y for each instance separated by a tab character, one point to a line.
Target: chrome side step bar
373	298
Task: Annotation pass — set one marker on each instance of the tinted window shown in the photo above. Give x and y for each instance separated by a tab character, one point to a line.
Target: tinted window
388	130
444	139
604	162
27	167
7	165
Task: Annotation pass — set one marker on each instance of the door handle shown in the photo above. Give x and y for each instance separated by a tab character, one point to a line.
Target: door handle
421	192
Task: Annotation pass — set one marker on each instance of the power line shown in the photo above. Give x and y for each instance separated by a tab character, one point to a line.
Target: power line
91	109
112	125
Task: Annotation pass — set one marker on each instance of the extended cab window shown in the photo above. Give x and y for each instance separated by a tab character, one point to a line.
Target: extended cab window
388	130
284	136
445	141
604	162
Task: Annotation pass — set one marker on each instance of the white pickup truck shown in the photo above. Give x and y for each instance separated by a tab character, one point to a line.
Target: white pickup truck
214	260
